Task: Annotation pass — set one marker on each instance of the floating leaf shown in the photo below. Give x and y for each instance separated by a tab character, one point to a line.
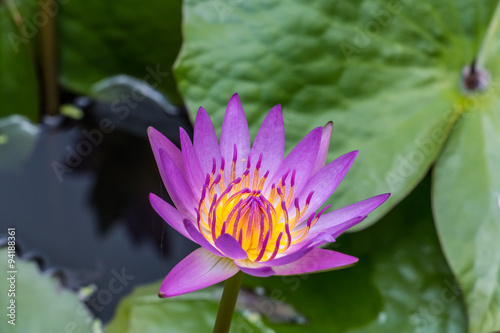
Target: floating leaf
467	209
386	72
143	311
41	304
17	139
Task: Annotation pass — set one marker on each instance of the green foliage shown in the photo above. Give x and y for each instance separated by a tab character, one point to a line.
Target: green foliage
41	304
388	73
467	209
143	311
99	39
17	140
18	82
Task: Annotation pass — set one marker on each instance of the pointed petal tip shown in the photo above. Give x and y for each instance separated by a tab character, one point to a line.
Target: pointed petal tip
235	99
276	108
384	197
152	132
162	295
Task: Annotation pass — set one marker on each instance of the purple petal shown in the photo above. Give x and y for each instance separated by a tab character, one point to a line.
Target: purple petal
230	247
168	213
200	239
234	132
339	229
301	159
254	269
323	147
179	190
159	141
315	261
194	173
198	270
270	142
325	181
296	252
359	209
205	141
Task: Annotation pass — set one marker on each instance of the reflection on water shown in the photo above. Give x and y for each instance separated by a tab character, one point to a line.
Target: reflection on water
80	203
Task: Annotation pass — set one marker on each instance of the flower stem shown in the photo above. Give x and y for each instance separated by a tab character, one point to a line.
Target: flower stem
227	303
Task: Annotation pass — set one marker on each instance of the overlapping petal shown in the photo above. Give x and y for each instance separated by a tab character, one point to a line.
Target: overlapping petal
334	172
194	172
323	147
198	270
317	260
234	134
270	142
171	215
205	142
301	159
179	190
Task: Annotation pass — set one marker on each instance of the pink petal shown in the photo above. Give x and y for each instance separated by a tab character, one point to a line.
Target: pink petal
359	209
168	213
179	190
159	141
198	270
254	269
325	182
323	147
315	261
270	142
194	173
234	132
300	250
205	141
230	247
200	239
301	159
339	229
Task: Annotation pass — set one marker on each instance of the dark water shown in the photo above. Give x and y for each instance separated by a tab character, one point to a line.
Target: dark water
80	202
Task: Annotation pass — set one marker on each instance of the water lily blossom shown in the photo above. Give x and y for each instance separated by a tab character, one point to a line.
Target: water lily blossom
247	206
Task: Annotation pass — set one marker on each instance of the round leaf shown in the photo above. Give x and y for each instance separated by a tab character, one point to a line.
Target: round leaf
41	304
386	72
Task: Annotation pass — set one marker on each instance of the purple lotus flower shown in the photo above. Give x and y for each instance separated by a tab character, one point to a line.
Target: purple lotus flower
247	207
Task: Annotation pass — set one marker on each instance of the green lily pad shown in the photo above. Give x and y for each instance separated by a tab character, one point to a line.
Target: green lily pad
40	304
386	72
466	193
143	311
99	39
467	210
18	81
401	283
17	139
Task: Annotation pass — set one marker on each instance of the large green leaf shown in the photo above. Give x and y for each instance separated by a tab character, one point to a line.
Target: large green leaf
466	193
467	209
386	72
101	38
143	311
40	304
400	284
18	81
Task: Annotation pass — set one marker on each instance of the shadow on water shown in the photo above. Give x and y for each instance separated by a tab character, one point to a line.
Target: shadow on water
80	203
